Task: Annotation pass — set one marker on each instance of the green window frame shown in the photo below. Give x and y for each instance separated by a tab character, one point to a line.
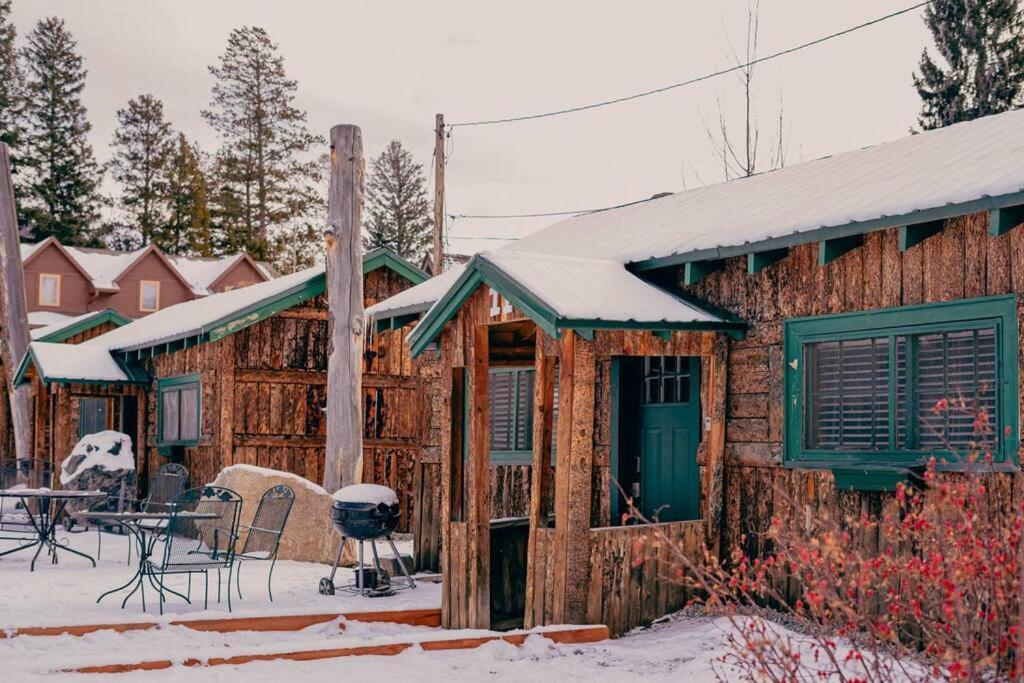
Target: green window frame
177	399
892	362
520	418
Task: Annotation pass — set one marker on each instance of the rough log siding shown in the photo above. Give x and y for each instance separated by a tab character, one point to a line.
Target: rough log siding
961	262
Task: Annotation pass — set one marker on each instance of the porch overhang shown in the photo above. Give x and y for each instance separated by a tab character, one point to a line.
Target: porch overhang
77	364
567	293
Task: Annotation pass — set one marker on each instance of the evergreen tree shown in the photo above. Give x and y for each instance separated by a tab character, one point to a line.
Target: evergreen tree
12	96
299	244
263	166
142	147
398	213
62	174
981	43
186	229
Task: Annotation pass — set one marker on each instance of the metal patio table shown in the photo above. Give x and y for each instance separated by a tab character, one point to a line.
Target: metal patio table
145	536
50	507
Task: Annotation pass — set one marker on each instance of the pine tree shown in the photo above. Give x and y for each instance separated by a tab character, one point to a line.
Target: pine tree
142	147
981	43
398	213
12	96
264	174
299	244
186	229
62	173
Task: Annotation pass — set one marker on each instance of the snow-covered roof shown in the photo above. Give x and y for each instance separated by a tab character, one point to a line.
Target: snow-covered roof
583	289
104	267
69	323
195	317
416	299
64	362
43	318
940	170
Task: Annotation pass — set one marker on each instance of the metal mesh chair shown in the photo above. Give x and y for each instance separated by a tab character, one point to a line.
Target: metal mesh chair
199	536
164	486
24	473
264	534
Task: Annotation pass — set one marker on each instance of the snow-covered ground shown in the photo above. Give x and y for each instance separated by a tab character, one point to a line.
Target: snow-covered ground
65	593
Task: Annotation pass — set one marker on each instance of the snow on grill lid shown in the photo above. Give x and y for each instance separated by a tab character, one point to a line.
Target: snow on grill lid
366	493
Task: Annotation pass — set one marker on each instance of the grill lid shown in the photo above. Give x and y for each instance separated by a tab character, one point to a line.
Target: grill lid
372	494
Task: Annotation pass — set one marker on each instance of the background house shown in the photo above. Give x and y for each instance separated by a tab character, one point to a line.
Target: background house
62	281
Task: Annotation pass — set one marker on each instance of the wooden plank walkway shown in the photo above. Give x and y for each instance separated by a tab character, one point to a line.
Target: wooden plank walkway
287	622
557	634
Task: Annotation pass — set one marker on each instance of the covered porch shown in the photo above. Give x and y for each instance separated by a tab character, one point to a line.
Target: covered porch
576	393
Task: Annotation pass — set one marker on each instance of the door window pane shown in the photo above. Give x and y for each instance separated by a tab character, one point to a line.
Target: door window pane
92	415
666	379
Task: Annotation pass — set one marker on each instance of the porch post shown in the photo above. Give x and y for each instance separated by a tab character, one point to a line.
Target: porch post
714	351
541	478
479	483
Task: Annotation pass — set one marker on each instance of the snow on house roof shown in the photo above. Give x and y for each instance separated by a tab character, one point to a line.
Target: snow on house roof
69	323
63	362
195	317
44	318
582	289
416	299
105	266
941	171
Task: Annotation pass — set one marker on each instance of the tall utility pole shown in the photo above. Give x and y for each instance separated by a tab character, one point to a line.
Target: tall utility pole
345	306
438	258
14	326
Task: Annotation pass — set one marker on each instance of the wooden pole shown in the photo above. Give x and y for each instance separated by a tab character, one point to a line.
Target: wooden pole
14	326
437	260
345	303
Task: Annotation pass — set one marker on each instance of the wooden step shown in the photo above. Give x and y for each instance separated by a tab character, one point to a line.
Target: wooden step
556	634
284	622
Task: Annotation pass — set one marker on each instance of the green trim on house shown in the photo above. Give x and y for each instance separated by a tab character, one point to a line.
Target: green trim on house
1005	219
382	257
162	385
997	312
615	382
250	315
695	271
759	260
480	271
831	249
108	315
136	375
834	231
912	235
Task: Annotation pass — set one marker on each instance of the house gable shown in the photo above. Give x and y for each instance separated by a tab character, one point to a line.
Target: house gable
241	273
75	284
152	266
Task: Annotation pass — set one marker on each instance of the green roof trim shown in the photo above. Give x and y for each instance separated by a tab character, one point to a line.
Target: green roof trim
382	257
480	271
108	315
1000	205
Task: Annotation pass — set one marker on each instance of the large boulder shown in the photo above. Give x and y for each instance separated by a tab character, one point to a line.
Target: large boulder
309	535
103	461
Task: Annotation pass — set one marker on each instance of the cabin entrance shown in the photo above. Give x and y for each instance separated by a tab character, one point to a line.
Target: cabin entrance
660	432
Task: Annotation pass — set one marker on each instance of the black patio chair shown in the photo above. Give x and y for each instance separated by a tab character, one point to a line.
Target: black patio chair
264	534
199	536
24	473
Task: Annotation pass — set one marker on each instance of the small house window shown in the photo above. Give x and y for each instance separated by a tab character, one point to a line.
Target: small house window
149	295
49	289
180	410
94	415
510	412
902	385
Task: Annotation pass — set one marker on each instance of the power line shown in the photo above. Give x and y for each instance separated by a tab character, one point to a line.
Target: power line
698	79
547	214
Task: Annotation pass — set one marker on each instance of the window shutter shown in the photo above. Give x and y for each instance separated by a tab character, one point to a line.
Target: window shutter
848	394
502	400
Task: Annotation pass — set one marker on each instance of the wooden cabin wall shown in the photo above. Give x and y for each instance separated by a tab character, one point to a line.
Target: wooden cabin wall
963	261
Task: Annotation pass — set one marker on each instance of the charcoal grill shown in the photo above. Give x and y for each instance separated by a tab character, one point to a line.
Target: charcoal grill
366	512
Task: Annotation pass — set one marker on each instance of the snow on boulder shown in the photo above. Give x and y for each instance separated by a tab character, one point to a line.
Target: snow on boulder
101	462
366	493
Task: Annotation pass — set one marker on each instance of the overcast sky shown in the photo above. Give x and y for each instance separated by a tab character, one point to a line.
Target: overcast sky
390	66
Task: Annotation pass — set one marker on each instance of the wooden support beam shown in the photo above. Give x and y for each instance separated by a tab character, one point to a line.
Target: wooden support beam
758	261
830	250
14	336
479	529
345	304
1005	219
697	270
542	475
911	235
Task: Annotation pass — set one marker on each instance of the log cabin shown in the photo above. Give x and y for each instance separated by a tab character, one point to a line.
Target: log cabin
712	356
235	377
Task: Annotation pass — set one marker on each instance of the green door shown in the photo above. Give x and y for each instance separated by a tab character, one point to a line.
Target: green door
669	431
